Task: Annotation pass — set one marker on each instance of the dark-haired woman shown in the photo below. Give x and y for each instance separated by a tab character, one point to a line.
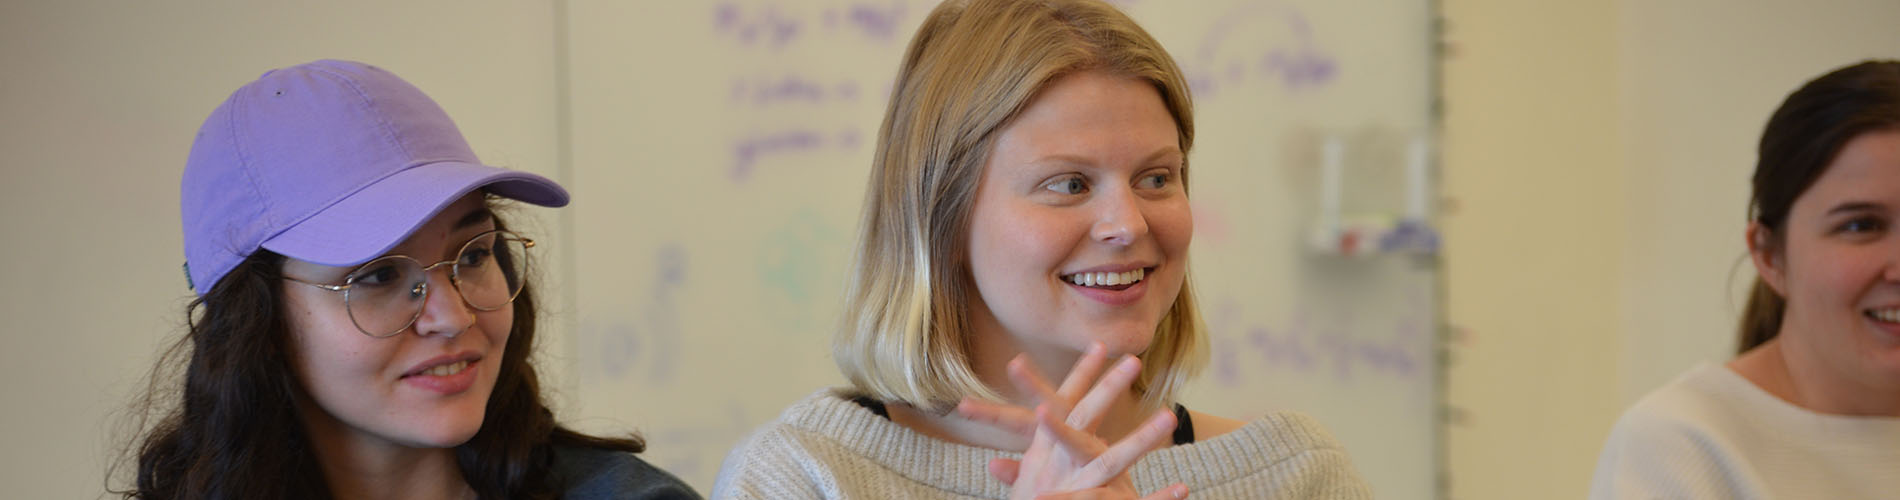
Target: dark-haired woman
363	323
1811	406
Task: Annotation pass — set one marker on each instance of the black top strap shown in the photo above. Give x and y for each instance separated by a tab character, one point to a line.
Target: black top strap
874	405
1183	427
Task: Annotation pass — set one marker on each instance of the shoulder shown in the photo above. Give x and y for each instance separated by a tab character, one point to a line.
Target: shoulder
812	425
788	457
829	447
1286	453
1697	406
1208	426
1679	441
596	473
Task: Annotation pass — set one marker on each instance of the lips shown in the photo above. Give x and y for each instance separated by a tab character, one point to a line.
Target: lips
1115	285
1107	279
446	375
1110	277
442	366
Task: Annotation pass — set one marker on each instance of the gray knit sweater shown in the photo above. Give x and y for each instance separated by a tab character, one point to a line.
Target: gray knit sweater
828	447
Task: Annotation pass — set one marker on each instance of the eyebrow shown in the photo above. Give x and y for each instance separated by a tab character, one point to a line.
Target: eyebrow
475	217
1856	206
1165	152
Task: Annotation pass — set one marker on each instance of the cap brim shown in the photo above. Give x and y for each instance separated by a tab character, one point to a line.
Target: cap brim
369	222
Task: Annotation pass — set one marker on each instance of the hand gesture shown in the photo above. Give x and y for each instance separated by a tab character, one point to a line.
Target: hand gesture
1065	456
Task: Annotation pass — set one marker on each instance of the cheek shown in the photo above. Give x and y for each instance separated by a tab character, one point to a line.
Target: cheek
1172	223
498	326
1026	243
335	364
1832	277
321	343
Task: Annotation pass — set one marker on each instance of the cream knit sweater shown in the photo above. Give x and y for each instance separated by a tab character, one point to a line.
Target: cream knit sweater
828	447
1712	434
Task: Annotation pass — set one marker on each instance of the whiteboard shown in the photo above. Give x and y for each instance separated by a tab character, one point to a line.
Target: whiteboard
718	151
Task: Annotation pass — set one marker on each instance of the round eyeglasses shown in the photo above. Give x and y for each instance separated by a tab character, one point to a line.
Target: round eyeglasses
385	296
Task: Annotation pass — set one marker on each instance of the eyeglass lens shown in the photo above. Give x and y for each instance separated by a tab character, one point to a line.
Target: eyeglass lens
386	295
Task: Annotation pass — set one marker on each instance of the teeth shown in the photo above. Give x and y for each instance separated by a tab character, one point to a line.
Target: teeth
1887	315
448	369
1108	279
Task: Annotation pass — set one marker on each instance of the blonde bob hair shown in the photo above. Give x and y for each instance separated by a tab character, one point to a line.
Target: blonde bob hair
972	66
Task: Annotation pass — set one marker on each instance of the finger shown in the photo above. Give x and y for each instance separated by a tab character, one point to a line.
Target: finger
1123	454
1002	417
1088	412
1028	381
1176	491
1079	444
1088	494
1083	374
1005	470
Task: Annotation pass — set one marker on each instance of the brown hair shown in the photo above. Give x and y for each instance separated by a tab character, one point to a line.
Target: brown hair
970	69
1800	141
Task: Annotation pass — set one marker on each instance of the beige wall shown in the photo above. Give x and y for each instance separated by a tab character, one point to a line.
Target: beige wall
1533	242
1598	154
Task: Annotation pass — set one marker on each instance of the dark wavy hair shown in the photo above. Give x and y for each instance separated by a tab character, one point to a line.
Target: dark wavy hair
1801	140
232	431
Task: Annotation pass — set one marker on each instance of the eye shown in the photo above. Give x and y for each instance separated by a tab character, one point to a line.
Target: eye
381	273
1861	225
1155	180
475	256
1071	185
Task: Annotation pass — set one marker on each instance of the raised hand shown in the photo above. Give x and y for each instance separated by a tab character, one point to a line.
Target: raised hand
1065	455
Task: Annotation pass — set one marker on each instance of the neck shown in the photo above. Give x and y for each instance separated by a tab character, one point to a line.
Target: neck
363	467
1796	373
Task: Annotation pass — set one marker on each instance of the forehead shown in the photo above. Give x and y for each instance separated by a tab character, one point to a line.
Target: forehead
1080	110
1866	169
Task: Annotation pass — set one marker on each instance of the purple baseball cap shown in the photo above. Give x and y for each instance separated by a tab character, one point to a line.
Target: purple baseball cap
330	162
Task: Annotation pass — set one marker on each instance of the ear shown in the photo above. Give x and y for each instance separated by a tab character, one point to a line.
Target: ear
1767	256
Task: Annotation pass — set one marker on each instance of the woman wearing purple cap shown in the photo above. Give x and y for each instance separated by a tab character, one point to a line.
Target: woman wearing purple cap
364	319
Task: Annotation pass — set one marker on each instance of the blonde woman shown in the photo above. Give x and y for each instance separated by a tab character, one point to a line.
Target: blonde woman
1027	214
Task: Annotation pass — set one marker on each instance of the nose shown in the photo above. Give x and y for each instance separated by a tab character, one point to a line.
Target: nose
1119	220
444	312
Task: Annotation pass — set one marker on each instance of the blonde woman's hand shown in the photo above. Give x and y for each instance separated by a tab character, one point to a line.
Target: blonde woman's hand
1065	456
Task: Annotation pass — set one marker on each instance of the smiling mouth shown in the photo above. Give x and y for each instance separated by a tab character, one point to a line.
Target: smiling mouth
1108	281
442	370
1883	315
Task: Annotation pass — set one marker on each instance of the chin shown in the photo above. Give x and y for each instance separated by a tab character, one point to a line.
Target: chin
1131	339
451	426
1887	361
447	435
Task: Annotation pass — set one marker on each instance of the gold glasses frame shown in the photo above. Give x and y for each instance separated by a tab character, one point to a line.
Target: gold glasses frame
421	289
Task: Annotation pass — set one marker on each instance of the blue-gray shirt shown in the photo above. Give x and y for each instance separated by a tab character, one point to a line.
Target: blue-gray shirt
598	474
